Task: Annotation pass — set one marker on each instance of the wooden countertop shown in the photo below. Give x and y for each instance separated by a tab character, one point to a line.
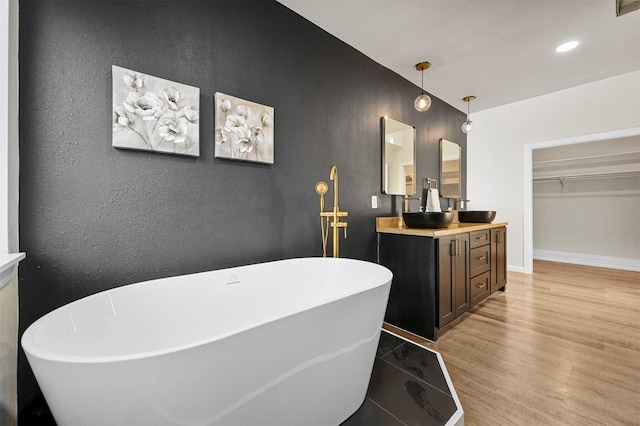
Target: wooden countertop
395	225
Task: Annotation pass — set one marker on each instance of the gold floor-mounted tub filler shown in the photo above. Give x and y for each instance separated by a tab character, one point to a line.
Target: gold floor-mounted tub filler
331	219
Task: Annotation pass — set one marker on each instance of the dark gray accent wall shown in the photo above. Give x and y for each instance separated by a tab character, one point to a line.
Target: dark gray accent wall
93	217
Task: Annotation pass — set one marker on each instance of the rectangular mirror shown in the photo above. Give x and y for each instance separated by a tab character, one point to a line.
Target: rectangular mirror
398	157
450	169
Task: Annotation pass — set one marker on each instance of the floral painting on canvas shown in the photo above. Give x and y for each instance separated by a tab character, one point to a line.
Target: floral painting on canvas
154	114
244	129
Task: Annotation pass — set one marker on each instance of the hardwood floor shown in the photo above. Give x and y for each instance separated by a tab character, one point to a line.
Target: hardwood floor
559	347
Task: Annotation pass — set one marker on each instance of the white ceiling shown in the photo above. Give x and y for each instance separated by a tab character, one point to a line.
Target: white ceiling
501	51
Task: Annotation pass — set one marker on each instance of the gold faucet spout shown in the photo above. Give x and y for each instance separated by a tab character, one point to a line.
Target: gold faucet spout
333	176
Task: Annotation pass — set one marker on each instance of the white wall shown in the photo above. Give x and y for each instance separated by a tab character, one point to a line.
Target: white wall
9	352
8	206
599	216
503	137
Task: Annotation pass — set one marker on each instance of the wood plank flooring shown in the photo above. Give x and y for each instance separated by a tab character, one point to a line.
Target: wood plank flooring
559	347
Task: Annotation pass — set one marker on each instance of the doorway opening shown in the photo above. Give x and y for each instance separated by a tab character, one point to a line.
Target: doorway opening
528	179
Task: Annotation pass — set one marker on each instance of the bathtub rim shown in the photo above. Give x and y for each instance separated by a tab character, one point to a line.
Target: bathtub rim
32	349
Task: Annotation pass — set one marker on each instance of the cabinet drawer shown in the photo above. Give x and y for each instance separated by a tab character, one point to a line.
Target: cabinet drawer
479	238
479	260
480	288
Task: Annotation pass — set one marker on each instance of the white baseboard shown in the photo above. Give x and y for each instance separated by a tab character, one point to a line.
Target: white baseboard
624	263
516	269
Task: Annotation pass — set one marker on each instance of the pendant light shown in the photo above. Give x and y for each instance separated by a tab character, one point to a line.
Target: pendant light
422	102
468	126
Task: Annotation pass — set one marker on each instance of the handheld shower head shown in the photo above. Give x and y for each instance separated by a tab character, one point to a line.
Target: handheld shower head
321	189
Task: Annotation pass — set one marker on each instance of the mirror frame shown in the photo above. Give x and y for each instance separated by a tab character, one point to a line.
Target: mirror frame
446	190
384	127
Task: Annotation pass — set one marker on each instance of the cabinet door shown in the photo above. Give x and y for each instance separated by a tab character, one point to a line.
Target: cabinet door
453	280
446	279
498	258
461	290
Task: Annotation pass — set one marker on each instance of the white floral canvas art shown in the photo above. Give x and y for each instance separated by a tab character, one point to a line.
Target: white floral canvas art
244	129
154	114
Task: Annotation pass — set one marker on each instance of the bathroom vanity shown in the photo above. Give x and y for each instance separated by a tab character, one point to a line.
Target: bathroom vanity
438	274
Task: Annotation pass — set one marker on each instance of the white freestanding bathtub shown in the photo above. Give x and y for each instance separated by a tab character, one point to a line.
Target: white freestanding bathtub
290	342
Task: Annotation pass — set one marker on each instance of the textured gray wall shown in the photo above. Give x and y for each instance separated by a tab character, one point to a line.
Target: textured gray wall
93	217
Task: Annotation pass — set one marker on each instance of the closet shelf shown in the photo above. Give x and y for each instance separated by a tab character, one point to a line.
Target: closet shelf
620	156
588	176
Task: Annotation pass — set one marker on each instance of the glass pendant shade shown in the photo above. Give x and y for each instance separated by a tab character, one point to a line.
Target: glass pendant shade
422	103
468	126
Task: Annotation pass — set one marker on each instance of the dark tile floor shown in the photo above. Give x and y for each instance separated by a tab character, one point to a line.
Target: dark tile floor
407	388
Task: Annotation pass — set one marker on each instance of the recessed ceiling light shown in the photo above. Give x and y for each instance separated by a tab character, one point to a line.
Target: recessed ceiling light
565	47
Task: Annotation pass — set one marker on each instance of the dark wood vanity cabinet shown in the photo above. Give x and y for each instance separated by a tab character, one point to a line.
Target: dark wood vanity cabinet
453	275
438	274
498	259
